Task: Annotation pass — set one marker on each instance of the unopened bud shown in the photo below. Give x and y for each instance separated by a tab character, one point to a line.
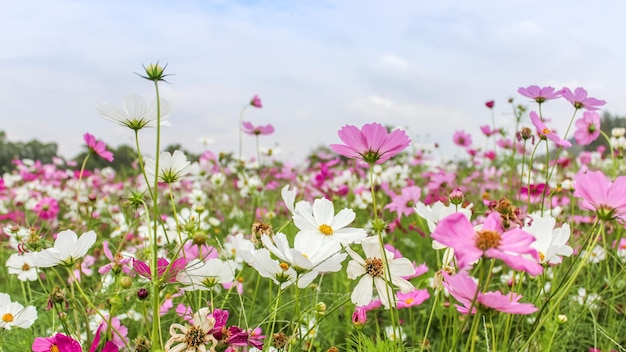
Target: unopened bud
142	293
561	319
456	196
359	317
320	308
126	281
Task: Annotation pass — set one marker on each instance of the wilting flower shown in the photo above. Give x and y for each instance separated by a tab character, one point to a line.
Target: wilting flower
13	314
456	231
607	198
540	95
196	338
587	128
544	132
372	143
68	248
166	272
172	167
249	128
97	147
256	101
374	272
58	342
580	100
463	288
462	139
135	114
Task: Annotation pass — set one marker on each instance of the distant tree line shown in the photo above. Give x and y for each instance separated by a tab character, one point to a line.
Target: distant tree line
123	163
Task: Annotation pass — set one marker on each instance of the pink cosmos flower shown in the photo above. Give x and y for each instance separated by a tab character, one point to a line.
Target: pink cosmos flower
463	288
544	132
580	100
587	128
487	131
462	139
256	101
97	147
47	208
607	198
457	232
115	341
118	262
252	130
540	95
58	342
164	271
490	104
404	203
372	143
413	298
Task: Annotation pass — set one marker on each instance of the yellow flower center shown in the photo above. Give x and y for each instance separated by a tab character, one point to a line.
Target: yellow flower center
545	131
25	267
54	348
487	239
408	300
374	267
284	266
542	256
194	337
7	318
326	229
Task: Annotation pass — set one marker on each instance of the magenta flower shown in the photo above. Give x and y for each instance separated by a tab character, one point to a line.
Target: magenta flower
404	203
98	147
607	198
115	341
47	208
256	101
457	232
463	288
58	342
490	104
462	139
372	143
540	95
250	129
580	100
587	128
165	272
544	132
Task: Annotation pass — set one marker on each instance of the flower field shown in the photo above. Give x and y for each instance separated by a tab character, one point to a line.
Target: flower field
371	244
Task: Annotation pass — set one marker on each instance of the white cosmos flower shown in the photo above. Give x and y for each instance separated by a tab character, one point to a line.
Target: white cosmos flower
68	248
374	272
23	266
308	258
289	197
437	212
200	275
551	243
14	314
136	113
320	222
280	272
172	167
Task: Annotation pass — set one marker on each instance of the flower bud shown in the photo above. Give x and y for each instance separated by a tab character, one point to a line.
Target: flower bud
456	196
320	308
142	293
126	281
561	319
199	239
490	104
526	133
154	72
256	102
359	317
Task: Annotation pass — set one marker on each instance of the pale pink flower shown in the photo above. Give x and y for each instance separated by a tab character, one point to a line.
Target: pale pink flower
463	288
413	298
580	100
469	245
544	132
372	143
587	128
98	147
403	204
540	95
249	128
607	198
462	139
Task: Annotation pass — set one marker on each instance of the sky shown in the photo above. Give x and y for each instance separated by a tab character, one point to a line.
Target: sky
425	66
